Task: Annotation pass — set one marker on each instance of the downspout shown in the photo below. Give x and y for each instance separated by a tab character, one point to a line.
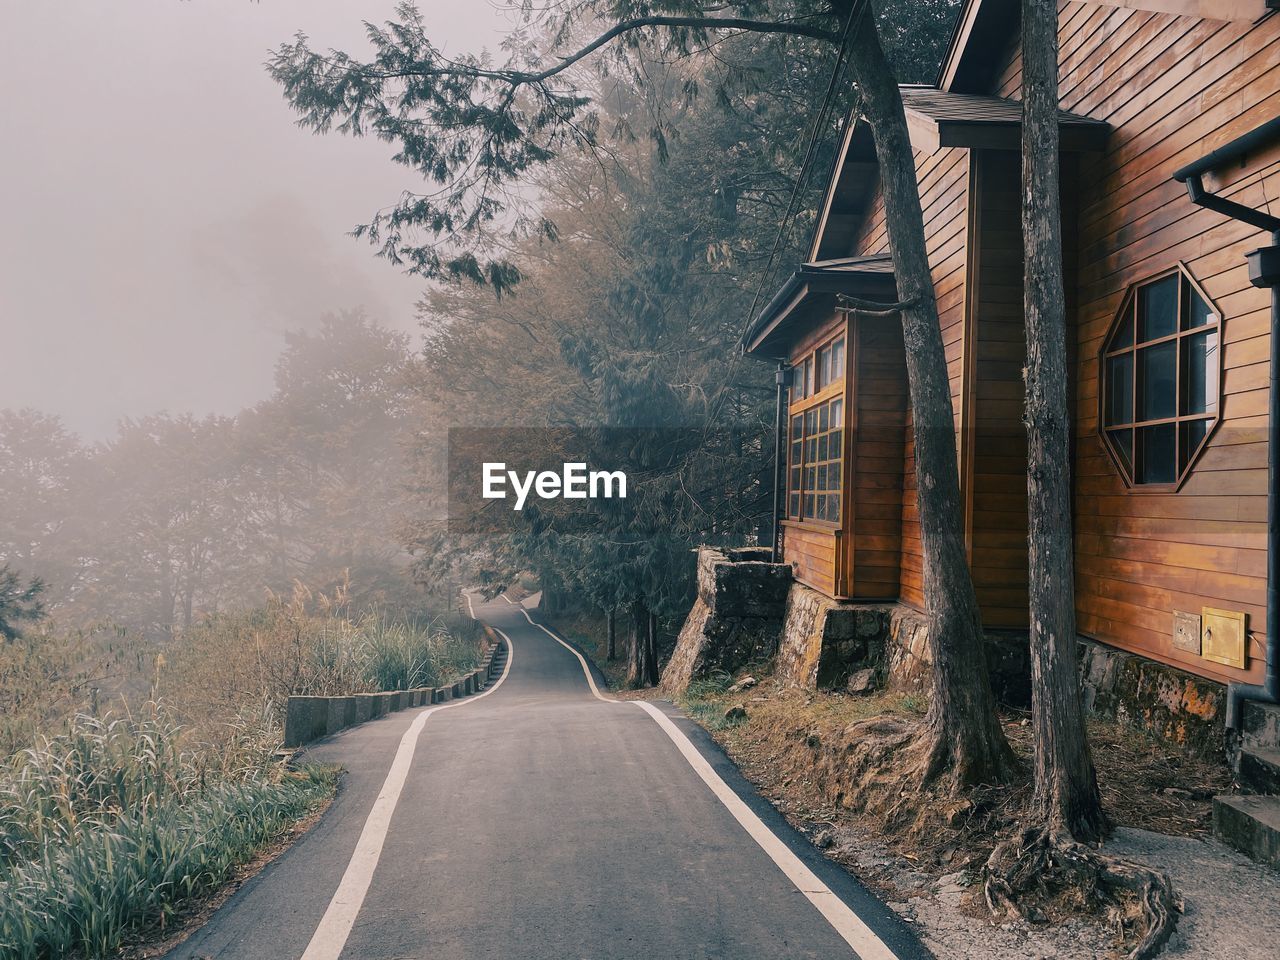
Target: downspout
1264	271
782	378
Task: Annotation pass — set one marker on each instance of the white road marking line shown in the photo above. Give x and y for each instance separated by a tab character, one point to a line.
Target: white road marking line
591	682
335	926
508	599
861	938
470	609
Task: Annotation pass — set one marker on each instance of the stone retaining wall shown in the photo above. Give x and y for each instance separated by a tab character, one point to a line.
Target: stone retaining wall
736	619
311	718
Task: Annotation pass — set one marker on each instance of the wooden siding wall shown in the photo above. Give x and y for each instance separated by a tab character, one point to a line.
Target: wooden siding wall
1172	88
944	186
812	553
997	451
878	429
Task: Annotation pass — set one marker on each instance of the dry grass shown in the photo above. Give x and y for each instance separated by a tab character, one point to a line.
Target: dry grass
791	741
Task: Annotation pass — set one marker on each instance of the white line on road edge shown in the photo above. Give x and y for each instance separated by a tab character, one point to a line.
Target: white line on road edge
848	924
470	609
839	914
591	682
335	926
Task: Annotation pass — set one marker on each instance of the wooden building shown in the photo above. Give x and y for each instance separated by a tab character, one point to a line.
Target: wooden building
1170	339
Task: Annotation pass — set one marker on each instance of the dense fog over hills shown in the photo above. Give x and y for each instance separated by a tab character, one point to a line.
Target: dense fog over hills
165	222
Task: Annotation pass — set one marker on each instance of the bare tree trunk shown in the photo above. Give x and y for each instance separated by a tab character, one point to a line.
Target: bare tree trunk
611	652
642	662
1067	796
966	742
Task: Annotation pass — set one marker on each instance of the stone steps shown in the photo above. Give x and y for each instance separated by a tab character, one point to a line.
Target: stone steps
1260	770
1250	821
1260	725
1251	824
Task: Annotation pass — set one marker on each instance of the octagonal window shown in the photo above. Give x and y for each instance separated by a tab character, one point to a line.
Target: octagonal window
1161	379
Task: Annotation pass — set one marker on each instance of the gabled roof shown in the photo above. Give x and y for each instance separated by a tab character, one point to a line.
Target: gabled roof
985	26
812	290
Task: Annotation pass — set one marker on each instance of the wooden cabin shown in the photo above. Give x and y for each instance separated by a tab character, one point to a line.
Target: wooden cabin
1170	339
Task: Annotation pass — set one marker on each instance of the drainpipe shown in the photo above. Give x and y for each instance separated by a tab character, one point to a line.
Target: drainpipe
782	378
1264	271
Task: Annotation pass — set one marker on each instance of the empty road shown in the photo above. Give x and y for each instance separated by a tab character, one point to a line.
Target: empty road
541	820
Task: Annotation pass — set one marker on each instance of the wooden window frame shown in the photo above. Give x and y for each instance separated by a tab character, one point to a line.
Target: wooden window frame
1128	467
800	404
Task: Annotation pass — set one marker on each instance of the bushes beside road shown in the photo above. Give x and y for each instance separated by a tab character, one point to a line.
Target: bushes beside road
112	825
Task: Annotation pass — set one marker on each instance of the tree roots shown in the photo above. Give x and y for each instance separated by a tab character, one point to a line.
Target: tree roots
1039	865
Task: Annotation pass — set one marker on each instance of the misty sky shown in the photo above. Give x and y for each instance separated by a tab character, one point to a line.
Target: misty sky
163	219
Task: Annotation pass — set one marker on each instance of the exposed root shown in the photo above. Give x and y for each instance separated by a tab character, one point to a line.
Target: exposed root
1039	866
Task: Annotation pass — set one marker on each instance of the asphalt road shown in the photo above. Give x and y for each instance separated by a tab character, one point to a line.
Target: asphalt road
538	821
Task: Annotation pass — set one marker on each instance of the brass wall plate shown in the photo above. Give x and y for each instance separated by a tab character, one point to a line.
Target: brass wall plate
1222	636
1186	631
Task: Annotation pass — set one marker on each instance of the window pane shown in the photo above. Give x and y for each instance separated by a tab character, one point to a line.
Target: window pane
1120	389
796	424
822	477
1122	440
836	436
1200	372
822	448
837	411
810	421
1157	369
1158	308
793	506
1193	434
834	475
824	412
808	377
837	358
1156	460
1124	332
808	505
1195	312
793	480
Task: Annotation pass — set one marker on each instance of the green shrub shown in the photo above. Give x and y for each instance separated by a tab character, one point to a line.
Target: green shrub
110	826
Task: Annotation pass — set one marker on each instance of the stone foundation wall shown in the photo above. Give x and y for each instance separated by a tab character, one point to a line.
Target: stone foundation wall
736	619
825	642
749	610
1165	701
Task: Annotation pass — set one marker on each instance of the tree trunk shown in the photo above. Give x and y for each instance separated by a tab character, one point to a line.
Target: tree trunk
965	739
642	661
611	652
1066	785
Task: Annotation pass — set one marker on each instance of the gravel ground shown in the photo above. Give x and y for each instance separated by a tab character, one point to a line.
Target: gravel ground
1232	905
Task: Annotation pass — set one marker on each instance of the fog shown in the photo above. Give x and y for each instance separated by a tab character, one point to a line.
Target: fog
164	220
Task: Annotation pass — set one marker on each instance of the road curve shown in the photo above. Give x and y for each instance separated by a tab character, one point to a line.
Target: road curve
542	821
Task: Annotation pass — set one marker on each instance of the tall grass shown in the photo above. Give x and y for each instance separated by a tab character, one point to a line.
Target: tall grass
110	826
109	823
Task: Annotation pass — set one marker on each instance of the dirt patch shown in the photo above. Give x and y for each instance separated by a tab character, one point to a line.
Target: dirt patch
791	744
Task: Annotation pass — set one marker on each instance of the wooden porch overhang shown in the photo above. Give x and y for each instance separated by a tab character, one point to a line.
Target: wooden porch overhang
811	293
937	118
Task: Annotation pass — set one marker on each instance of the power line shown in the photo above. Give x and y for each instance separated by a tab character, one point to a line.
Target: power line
856	14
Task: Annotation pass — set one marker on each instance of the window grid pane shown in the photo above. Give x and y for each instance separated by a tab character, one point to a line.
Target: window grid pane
1160	399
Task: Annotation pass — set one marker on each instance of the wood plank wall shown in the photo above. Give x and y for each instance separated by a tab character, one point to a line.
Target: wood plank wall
944	184
879	423
1173	88
997	353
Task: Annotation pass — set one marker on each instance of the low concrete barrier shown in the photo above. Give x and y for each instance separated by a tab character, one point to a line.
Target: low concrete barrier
309	718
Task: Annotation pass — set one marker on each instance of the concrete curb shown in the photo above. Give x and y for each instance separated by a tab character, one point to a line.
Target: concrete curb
308	718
